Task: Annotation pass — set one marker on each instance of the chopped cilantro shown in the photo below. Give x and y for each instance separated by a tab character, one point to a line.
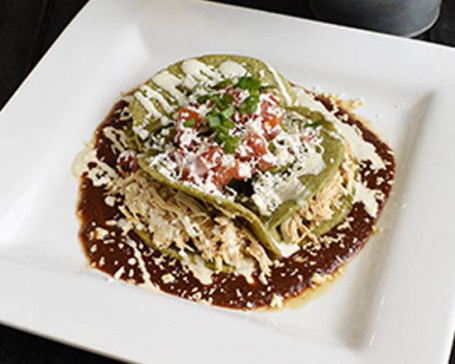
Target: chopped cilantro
221	136
190	123
228	124
249	105
203	99
230	144
249	83
223	84
228	112
228	98
214	121
219	118
216	99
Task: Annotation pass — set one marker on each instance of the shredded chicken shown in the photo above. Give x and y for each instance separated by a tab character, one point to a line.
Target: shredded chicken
298	227
321	206
174	220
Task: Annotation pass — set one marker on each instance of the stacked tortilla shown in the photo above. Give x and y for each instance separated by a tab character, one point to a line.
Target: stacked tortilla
234	186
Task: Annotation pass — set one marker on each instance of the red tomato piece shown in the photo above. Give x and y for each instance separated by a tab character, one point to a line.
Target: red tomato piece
185	114
271	118
258	144
264	164
213	158
223	177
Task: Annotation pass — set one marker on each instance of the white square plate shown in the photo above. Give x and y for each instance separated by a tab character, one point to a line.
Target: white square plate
396	302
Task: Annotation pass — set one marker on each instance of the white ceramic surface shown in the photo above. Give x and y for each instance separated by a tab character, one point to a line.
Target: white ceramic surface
395	303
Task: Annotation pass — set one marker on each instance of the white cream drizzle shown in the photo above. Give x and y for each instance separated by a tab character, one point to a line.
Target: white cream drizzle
368	197
101	174
189	82
153	94
361	149
200	71
168	82
231	69
199	269
141	264
83	158
281	85
310	162
118	274
286	249
270	190
148	105
246	268
116	136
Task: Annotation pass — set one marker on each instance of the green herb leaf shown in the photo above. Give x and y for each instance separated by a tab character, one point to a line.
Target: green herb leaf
228	112
214	121
228	98
228	124
250	104
203	99
190	123
223	84
249	83
221	136
216	99
231	144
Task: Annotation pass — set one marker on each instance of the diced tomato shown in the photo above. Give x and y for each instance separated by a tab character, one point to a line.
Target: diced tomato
213	157
264	165
275	99
176	155
235	171
185	174
271	116
272	120
258	144
212	160
185	114
223	177
271	132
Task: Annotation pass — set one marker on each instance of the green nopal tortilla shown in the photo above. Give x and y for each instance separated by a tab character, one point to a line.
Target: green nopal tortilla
264	228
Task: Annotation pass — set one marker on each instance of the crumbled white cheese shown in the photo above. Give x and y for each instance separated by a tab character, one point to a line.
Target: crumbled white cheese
168	278
277	301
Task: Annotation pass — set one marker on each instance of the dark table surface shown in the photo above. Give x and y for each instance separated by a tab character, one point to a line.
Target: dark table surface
27	29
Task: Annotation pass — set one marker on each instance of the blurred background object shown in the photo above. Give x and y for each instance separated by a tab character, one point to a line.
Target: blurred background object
402	17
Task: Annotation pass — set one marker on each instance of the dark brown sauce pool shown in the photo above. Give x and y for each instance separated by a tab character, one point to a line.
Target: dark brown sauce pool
115	256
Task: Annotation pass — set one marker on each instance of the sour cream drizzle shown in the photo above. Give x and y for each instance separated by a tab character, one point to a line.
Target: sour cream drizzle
200	71
153	94
168	82
232	69
281	85
148	105
361	150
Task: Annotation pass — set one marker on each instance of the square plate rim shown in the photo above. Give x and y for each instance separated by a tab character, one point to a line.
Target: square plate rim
73	28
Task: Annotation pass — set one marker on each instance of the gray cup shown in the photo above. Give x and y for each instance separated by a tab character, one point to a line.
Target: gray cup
401	17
